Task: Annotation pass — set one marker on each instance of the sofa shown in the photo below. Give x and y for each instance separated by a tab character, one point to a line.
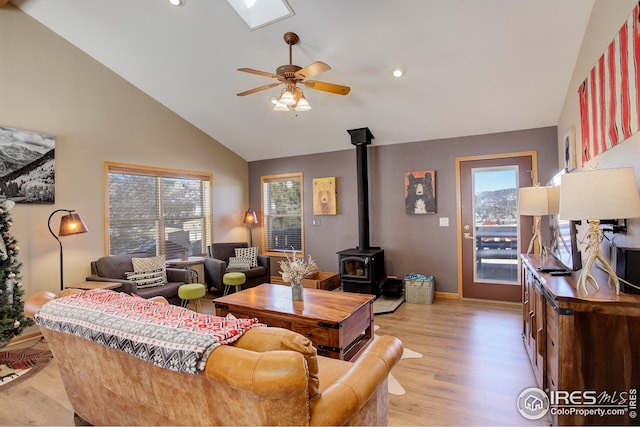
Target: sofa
268	376
112	268
215	266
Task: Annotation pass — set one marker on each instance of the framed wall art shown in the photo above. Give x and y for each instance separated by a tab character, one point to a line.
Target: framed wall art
27	166
570	162
609	96
420	192
325	196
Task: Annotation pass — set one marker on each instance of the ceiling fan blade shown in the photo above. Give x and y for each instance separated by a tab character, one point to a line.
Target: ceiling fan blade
327	87
312	70
258	72
258	89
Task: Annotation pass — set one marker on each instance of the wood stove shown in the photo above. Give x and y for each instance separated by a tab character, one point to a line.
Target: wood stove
362	268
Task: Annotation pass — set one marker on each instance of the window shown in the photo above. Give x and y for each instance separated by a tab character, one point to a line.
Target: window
283	214
157	211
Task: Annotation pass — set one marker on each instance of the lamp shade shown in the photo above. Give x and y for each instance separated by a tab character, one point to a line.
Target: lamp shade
537	201
250	217
72	223
599	194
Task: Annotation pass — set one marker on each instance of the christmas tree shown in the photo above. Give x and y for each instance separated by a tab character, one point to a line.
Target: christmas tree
12	320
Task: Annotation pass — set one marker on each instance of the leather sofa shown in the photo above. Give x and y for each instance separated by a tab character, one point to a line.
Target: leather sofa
269	376
215	266
112	268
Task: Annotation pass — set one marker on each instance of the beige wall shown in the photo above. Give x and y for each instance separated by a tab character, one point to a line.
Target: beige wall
48	85
606	19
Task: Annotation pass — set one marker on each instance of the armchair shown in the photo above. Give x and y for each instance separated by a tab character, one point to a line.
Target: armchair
112	268
215	266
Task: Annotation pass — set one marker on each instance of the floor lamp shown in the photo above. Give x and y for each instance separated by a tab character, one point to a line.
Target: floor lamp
595	195
71	223
537	201
250	218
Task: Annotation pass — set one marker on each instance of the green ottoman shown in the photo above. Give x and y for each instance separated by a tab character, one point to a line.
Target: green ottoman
233	279
192	291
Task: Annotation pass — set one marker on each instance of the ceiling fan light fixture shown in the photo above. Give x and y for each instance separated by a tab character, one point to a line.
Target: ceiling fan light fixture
177	2
303	104
280	107
287	97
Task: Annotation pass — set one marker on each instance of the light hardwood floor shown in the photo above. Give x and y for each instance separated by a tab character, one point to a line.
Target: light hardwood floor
473	369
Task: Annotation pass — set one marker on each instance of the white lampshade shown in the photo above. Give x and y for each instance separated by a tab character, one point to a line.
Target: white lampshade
303	104
599	194
537	201
287	98
280	107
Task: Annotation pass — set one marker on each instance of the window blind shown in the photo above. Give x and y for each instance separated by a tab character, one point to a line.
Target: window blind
283	213
158	211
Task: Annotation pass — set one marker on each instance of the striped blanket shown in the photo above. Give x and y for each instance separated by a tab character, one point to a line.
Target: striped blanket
168	336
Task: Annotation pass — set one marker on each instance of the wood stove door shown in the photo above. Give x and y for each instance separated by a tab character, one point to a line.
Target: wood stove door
492	232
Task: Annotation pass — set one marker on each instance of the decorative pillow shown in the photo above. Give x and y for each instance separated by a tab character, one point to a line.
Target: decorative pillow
150	264
239	263
146	279
251	252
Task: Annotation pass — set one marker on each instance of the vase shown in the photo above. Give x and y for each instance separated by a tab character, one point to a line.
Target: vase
296	291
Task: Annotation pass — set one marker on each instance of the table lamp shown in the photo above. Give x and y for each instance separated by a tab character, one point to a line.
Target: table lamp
595	195
537	201
250	218
71	223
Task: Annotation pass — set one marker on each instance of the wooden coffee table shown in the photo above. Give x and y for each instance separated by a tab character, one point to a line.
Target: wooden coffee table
340	324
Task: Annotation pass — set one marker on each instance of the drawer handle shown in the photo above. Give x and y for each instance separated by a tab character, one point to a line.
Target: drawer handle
308	334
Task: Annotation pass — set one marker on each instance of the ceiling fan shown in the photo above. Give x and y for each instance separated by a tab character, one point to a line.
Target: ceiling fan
290	76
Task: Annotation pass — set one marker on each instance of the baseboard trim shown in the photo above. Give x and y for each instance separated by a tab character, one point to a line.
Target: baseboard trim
446	295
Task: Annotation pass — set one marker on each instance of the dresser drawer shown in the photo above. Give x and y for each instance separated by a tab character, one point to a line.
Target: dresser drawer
317	334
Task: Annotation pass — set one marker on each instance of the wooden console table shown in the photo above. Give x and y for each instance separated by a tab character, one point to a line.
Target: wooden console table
339	324
581	343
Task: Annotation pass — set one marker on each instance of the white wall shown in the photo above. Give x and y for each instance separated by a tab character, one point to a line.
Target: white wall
48	85
606	19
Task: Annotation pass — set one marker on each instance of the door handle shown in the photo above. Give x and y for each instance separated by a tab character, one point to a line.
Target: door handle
469	236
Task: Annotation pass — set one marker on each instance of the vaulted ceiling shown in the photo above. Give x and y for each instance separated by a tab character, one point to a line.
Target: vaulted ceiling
473	66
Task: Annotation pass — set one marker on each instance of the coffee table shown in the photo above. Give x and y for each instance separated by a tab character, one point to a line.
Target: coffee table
340	324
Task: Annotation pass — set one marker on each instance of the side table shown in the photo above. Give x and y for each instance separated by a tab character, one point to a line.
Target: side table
187	263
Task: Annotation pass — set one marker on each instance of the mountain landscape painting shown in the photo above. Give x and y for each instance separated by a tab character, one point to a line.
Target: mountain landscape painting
27	166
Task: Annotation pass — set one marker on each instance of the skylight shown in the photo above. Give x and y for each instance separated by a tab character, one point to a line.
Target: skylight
259	13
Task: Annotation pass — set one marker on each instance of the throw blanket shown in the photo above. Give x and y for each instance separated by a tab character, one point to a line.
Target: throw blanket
166	335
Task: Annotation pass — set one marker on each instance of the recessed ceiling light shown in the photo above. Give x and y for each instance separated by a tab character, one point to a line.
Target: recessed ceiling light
177	2
399	72
258	13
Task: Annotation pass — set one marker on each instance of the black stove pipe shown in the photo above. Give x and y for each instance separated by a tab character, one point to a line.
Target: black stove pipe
361	138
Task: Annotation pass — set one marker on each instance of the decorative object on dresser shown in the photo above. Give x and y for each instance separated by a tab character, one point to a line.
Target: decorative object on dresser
340	324
250	218
580	343
596	195
216	265
70	224
537	201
